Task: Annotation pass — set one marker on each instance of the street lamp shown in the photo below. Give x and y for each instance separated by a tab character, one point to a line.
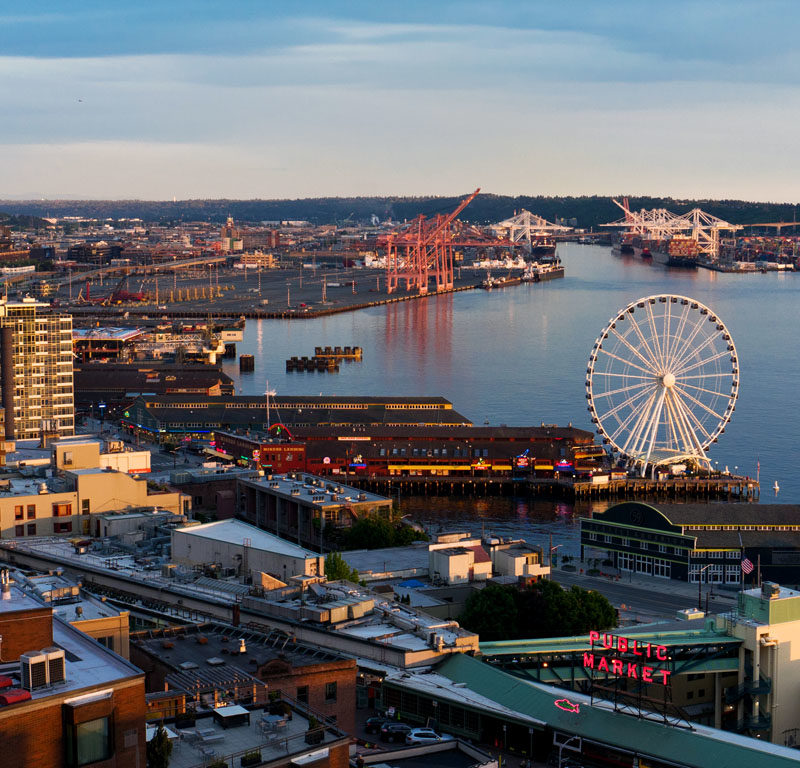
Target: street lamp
699	585
565	744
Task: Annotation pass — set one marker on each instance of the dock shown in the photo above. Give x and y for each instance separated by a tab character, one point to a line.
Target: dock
727	487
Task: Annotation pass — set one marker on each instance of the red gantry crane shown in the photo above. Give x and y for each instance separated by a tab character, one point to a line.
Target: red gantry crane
423	250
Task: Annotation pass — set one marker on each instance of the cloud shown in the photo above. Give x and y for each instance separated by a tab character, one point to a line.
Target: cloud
363	99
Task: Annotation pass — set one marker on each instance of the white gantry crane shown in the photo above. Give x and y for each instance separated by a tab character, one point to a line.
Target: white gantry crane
705	230
526	228
661	224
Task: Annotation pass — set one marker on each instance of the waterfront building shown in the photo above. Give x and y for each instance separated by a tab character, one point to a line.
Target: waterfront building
705	542
198	415
117	384
298	507
411	449
35	370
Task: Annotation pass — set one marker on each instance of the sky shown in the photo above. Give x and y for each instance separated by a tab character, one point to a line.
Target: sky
259	99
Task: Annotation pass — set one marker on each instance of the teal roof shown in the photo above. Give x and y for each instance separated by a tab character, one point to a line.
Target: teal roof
581	642
702	747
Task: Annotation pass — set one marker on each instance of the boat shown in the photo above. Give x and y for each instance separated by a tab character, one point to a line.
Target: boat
681	251
500	282
539	271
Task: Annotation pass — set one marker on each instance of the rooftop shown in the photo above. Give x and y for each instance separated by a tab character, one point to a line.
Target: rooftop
220	647
236	532
88	663
315	491
701	746
275	740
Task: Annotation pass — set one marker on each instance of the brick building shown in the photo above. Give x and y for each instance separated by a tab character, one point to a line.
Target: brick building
68	700
271	666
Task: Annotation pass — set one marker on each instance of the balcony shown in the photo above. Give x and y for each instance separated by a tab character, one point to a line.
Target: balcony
760	722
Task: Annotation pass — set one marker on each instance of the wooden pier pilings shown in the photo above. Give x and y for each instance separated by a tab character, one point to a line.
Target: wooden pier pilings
727	487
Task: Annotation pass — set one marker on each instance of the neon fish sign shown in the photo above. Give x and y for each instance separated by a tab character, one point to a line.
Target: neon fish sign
567	706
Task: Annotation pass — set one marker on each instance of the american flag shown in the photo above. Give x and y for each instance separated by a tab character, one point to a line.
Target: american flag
747	566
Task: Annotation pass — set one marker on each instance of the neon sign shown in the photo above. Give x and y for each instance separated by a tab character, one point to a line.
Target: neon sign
633	666
567	706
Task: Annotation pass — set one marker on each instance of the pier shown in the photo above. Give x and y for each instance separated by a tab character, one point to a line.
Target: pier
725	487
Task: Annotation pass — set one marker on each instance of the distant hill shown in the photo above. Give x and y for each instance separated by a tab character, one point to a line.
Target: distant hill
21	221
589	212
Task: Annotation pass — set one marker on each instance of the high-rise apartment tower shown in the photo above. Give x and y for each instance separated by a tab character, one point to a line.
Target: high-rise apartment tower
35	370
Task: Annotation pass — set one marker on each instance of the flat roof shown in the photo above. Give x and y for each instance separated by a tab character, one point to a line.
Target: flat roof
235	532
700	747
88	664
20	601
315	491
108	333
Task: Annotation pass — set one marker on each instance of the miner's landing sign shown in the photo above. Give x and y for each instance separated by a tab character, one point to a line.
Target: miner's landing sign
627	657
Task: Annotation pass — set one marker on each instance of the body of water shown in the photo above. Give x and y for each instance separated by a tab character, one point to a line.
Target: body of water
518	356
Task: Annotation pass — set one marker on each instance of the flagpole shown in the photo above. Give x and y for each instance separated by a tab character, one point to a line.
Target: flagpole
759	571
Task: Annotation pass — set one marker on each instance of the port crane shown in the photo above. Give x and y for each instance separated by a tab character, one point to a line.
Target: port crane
661	224
527	228
421	250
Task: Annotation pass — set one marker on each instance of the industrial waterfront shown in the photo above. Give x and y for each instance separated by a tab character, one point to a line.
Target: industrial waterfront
518	355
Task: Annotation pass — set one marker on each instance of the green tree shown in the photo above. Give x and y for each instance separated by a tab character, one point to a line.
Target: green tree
159	749
492	613
336	568
542	610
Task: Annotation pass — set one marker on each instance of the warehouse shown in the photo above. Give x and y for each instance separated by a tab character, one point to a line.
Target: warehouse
243	550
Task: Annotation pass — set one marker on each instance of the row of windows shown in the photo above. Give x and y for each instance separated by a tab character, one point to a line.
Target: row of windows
715	574
741	527
21	511
436	452
652	566
603	538
718	554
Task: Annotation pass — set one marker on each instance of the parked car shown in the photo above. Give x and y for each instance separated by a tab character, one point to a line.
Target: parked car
426	736
394	731
373	724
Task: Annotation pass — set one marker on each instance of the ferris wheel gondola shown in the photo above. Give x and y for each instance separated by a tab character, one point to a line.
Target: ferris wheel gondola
662	381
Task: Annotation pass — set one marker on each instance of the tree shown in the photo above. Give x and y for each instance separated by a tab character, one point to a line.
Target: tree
492	613
542	610
336	568
159	749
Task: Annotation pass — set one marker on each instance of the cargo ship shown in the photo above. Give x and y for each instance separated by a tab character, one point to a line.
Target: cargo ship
680	251
543	245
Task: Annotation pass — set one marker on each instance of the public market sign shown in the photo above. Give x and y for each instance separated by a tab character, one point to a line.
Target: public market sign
626	657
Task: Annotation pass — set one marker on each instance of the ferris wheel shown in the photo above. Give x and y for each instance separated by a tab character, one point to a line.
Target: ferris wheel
662	381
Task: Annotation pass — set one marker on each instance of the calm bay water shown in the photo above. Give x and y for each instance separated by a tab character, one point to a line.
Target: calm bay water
518	356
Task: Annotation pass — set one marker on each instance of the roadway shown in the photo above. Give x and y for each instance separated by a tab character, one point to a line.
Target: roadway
647	598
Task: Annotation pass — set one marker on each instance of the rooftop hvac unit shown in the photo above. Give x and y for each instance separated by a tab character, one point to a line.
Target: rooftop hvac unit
34	670
42	668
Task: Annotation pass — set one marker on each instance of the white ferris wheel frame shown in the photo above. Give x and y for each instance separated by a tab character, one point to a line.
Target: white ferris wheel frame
657	409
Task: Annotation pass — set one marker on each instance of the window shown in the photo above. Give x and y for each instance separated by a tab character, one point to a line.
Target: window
62	510
18	515
62	527
31	529
302	694
85	506
31	511
330	691
67	458
89	742
19	530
